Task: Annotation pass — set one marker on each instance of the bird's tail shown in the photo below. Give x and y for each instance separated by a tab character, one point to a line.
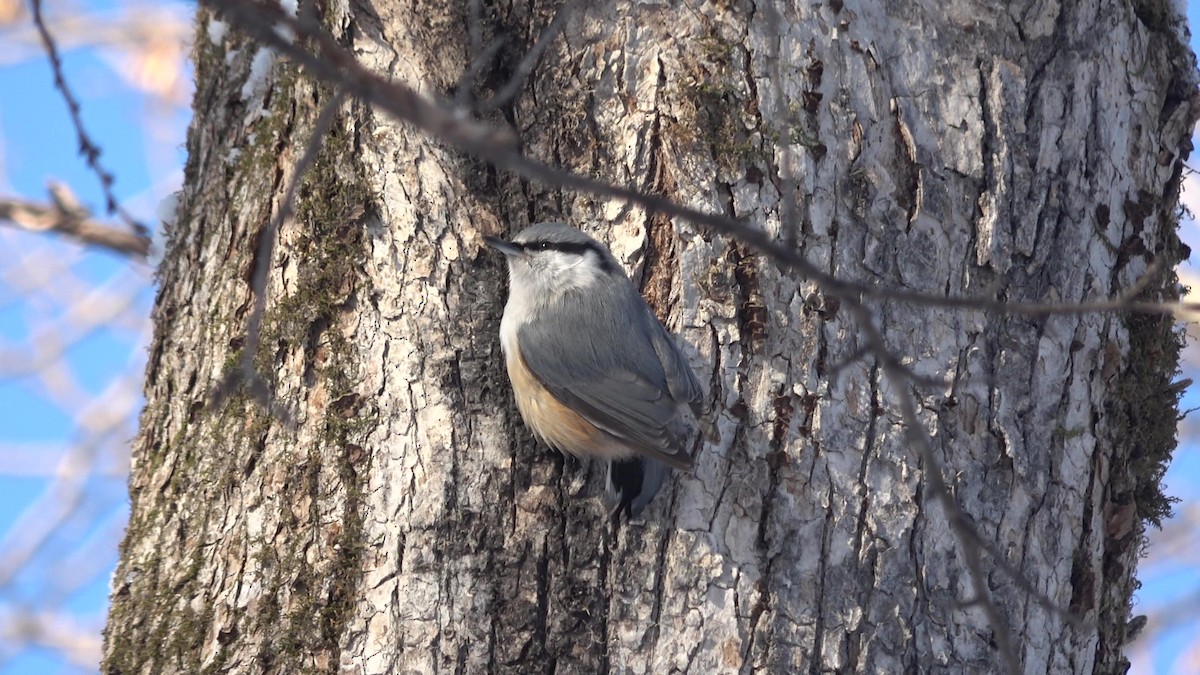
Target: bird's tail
633	482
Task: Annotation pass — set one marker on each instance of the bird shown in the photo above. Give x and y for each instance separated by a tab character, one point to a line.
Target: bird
593	371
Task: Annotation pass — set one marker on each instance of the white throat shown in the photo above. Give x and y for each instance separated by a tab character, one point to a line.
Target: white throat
531	289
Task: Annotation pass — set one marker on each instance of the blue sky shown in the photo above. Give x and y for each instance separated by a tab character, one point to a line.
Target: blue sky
37	143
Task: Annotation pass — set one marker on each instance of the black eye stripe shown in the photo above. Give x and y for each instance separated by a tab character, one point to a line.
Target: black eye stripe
570	247
561	246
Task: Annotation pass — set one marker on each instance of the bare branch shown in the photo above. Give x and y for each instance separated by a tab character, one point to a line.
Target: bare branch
245	373
462	91
970	540
93	308
475	25
480	56
1183	609
505	95
451	124
335	65
960	524
74	224
80	644
89	150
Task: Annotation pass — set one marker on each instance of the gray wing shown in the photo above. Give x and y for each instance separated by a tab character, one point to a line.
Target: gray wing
606	356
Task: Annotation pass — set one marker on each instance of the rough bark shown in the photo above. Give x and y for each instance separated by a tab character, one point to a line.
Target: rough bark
408	522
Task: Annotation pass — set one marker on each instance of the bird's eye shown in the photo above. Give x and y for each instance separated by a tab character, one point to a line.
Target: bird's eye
542	246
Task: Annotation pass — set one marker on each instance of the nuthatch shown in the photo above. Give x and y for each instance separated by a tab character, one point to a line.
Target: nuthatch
594	372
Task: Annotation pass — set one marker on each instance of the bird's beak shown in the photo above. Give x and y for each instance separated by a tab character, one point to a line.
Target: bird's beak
503	246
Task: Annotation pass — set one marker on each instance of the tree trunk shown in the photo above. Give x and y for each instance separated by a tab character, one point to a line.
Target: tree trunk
407	521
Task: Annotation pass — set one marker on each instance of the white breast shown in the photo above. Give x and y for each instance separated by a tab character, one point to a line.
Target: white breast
516	314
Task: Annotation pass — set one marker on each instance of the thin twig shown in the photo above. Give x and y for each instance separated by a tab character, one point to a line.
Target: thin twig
789	211
917	440
835	371
475	25
505	95
1018	578
905	378
480	57
971	541
498	146
245	373
89	150
462	91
